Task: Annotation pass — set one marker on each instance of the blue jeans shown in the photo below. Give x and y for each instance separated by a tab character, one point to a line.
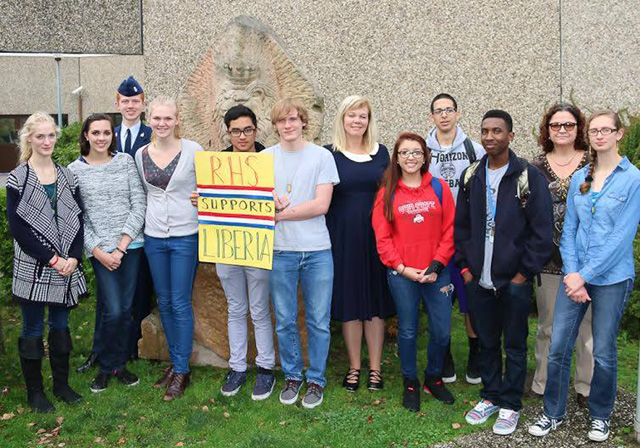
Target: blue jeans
115	291
436	297
173	262
608	306
33	318
502	318
314	270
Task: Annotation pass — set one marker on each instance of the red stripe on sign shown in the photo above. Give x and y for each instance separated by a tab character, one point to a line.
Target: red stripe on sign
229	215
229	187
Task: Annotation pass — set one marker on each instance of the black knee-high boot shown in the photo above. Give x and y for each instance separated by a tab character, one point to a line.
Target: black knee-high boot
31	353
59	350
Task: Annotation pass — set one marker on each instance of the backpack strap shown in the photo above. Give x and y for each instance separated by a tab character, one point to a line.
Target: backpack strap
471	170
437	188
470	150
522	188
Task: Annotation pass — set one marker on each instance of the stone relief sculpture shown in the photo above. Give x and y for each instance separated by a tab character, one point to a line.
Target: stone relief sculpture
248	66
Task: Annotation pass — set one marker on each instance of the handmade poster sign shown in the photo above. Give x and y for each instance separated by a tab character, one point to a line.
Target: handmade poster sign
235	208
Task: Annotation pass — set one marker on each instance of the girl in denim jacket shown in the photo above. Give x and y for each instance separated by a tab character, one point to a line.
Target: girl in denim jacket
603	211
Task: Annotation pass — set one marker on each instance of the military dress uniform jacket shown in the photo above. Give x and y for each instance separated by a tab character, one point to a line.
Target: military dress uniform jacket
39	235
142	139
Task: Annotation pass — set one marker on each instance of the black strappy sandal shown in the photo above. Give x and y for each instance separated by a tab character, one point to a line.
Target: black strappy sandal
351	380
375	380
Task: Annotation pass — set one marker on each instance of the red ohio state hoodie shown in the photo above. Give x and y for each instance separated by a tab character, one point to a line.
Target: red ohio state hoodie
422	228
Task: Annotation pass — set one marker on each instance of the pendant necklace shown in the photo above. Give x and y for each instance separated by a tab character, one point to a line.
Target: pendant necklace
289	180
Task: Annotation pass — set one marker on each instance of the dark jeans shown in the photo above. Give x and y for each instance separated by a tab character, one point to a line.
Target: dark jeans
436	297
495	315
141	306
33	318
115	290
608	303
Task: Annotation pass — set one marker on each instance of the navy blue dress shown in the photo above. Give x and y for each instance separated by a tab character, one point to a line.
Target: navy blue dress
360	290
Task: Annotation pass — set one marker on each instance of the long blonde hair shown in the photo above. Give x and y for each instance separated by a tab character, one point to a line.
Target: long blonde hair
26	151
165	100
370	136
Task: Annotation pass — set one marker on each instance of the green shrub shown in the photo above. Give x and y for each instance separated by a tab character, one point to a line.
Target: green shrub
6	248
630	147
67	147
630	144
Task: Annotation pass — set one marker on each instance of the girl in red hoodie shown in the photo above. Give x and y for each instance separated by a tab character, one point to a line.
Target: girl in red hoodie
413	217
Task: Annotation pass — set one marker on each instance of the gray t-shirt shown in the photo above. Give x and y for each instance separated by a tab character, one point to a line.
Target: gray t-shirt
493	181
297	174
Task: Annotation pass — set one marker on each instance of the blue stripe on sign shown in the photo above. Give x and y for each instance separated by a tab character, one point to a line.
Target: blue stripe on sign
233	224
236	196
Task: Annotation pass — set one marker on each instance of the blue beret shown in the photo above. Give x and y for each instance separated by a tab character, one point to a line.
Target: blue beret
130	87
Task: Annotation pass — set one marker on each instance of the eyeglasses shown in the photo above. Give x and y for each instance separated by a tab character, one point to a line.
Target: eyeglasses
235	132
447	110
568	126
603	131
414	154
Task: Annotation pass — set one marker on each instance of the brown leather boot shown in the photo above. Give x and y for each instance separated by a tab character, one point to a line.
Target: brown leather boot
178	384
167	376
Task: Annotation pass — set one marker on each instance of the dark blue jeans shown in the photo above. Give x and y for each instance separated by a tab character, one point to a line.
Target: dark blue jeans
141	306
173	262
608	304
33	318
436	297
496	315
115	290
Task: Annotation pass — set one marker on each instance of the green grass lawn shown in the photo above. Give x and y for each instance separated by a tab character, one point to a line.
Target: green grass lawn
203	417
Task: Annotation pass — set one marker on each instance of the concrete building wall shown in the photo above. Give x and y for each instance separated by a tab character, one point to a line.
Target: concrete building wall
520	56
499	54
30	83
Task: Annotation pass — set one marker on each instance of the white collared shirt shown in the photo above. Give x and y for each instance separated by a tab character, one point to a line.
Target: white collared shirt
362	157
135	129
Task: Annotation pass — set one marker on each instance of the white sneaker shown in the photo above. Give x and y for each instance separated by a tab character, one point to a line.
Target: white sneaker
506	422
544	426
599	430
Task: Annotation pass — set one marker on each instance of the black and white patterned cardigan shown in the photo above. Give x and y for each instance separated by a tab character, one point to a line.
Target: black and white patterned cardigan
38	235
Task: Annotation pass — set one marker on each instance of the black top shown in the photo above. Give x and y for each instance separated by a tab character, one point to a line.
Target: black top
259	147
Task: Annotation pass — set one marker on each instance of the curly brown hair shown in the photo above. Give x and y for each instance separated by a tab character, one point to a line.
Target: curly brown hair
543	139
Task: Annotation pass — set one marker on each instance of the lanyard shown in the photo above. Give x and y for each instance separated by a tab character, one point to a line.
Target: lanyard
490	201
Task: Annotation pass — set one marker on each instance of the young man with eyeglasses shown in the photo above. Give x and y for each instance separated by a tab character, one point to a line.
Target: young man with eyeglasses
247	288
503	238
451	152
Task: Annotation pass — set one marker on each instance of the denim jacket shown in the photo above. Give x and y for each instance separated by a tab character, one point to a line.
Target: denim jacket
597	238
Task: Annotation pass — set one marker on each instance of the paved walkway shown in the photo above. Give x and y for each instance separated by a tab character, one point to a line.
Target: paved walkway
573	432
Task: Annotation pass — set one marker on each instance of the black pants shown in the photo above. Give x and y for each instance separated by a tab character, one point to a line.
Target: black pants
495	315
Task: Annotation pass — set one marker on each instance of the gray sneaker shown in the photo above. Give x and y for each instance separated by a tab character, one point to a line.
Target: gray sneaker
265	382
233	382
289	394
313	397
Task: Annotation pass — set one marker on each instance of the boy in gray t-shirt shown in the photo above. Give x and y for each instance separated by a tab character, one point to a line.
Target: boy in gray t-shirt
304	176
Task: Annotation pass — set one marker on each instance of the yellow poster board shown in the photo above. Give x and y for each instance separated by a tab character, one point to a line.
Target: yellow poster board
236	211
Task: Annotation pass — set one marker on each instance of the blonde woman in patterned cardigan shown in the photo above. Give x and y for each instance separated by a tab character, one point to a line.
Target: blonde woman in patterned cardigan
45	220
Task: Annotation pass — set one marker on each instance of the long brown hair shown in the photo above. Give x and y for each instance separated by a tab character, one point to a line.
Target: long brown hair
581	137
393	173
586	185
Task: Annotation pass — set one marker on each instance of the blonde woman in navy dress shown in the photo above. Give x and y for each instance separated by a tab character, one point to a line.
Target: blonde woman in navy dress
361	299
